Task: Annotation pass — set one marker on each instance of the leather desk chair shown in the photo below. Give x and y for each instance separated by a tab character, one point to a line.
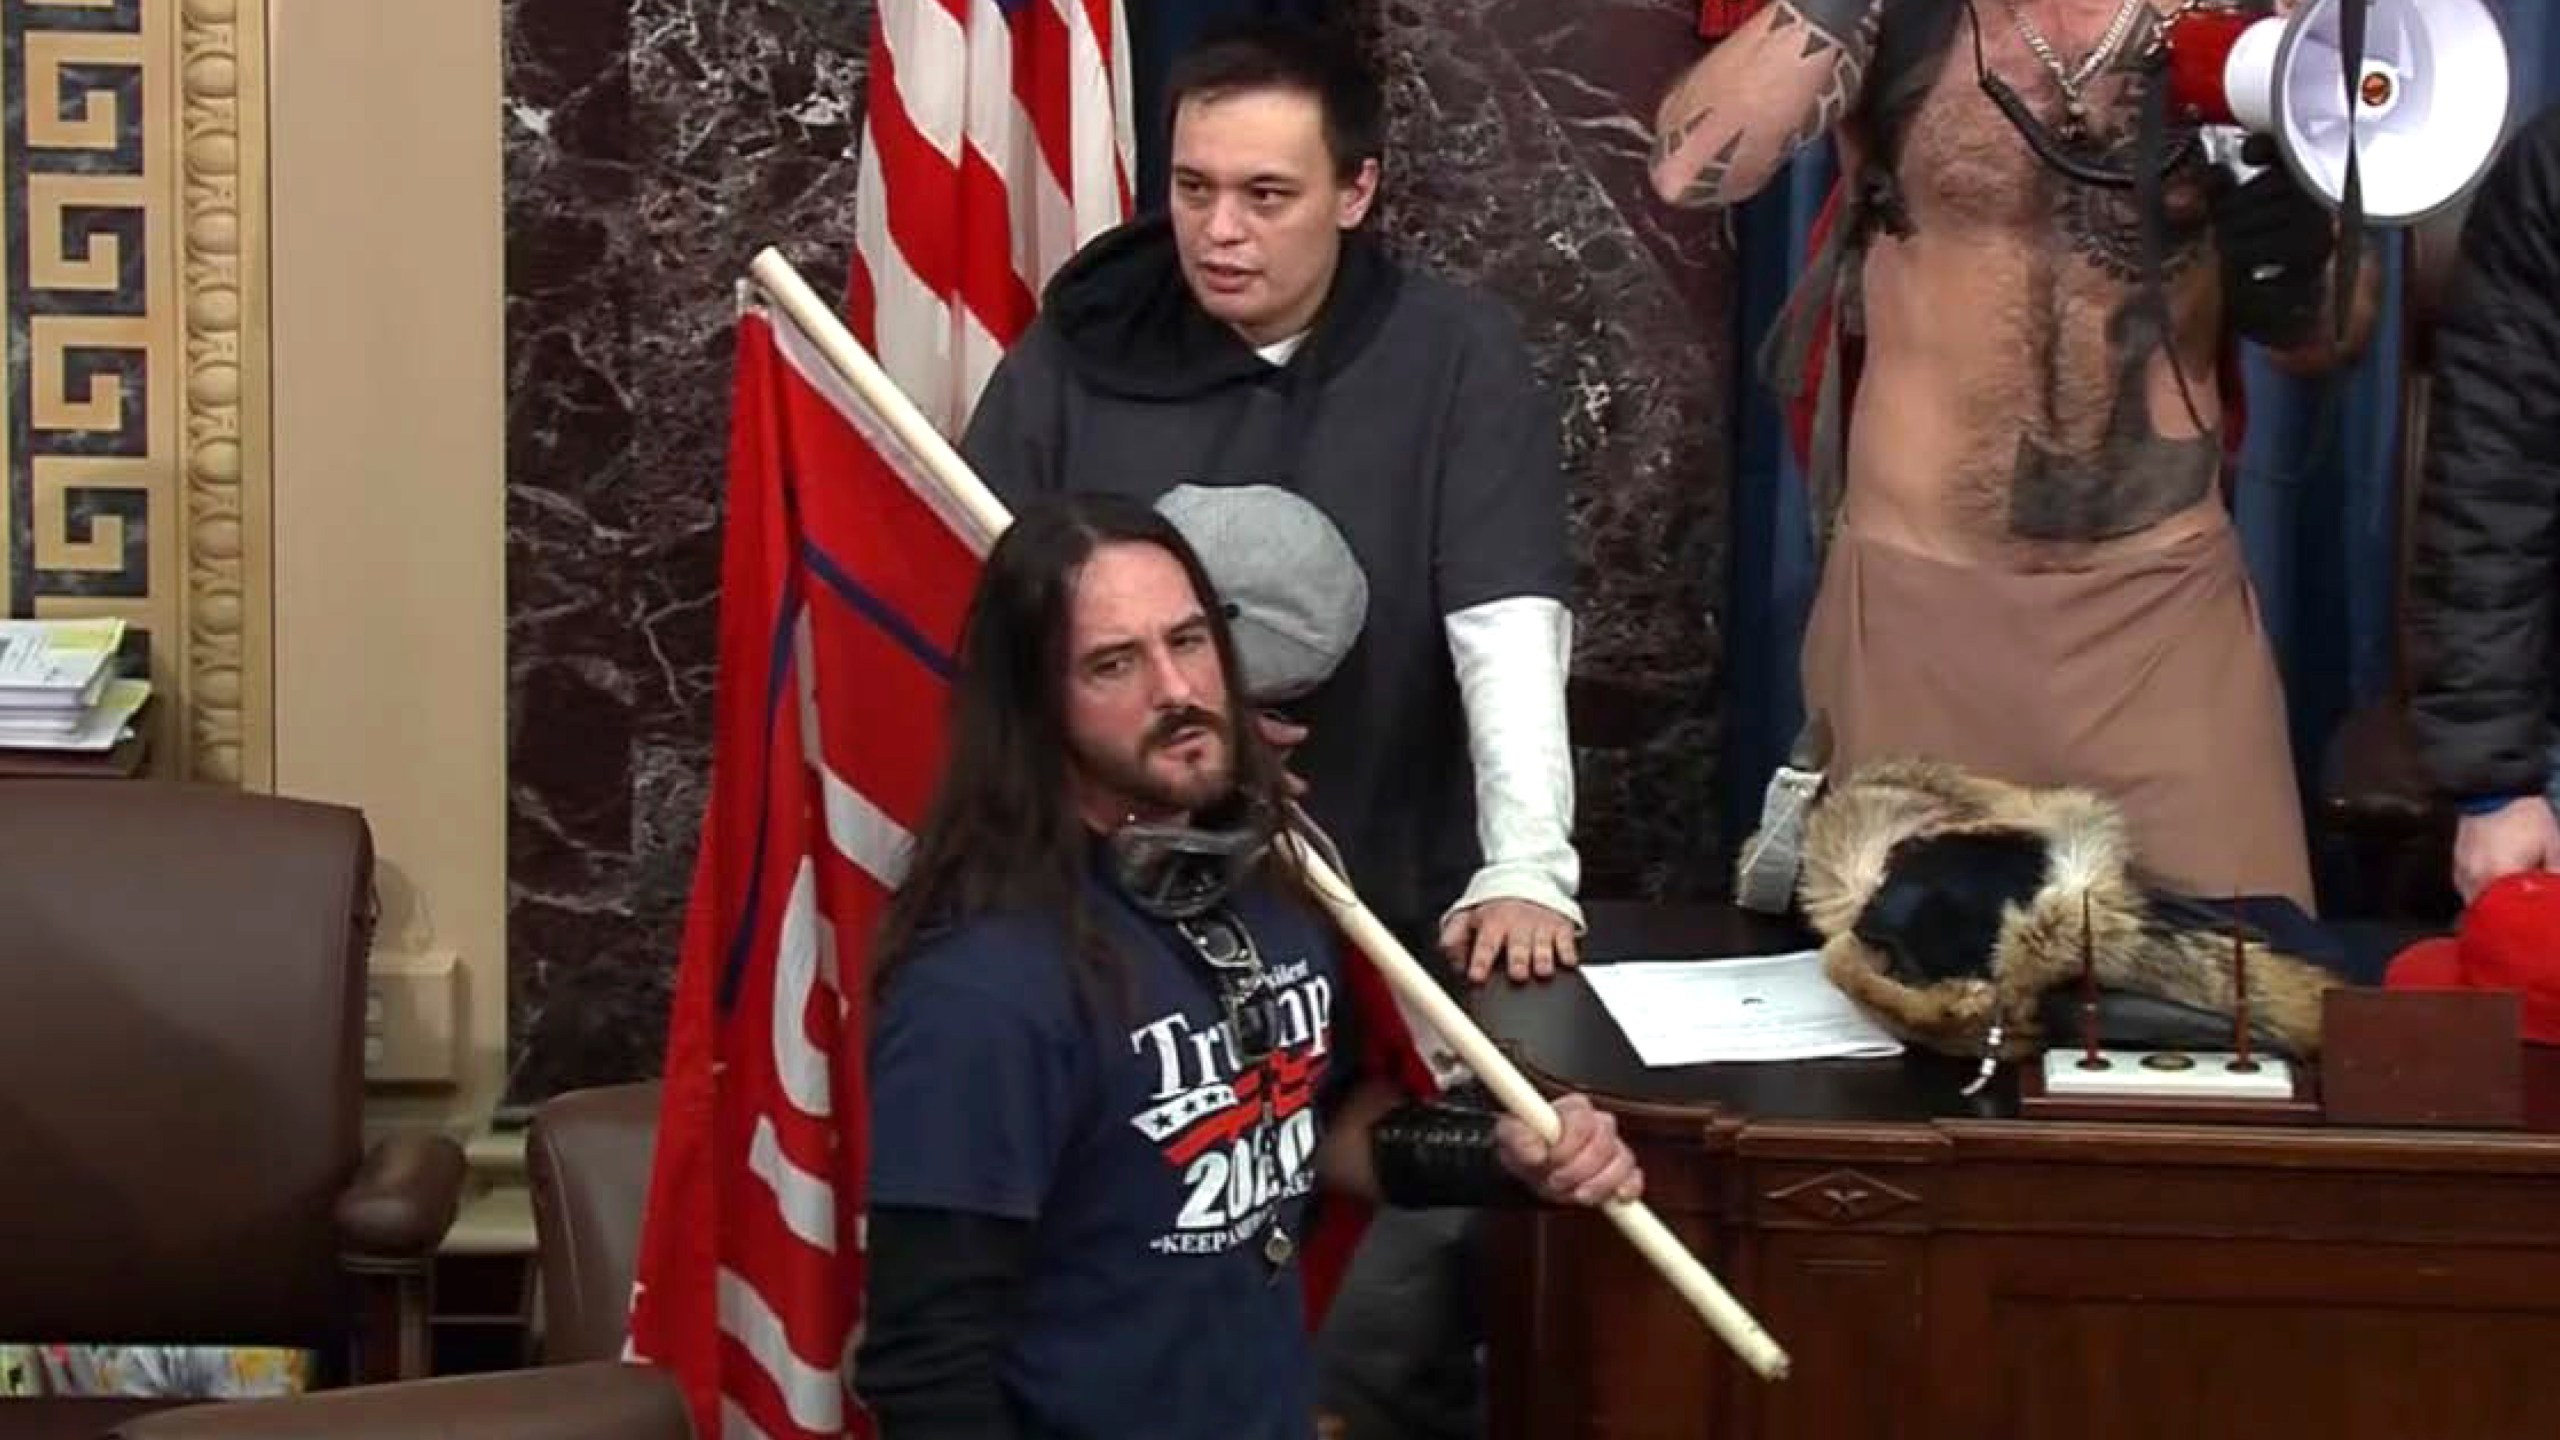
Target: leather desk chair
587	1157
181	1083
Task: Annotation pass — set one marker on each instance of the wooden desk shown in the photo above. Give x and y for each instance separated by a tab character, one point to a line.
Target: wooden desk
1938	1268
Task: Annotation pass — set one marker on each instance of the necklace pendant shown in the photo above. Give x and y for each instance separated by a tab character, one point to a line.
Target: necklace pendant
1277	1247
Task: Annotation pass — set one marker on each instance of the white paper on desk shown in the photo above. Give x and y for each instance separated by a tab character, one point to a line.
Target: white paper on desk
1763	1007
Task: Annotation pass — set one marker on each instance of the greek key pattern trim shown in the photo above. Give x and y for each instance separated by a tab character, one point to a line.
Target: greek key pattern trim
133	423
84	497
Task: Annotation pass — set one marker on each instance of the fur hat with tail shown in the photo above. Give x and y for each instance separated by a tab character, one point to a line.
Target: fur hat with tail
1947	900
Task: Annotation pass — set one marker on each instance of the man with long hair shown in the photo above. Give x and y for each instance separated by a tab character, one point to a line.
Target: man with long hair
1113	1064
1257	331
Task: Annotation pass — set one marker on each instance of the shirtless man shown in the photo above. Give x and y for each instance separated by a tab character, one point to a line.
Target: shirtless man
2029	568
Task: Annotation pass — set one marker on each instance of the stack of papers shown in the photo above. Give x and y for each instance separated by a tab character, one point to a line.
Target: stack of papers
58	686
1750	1008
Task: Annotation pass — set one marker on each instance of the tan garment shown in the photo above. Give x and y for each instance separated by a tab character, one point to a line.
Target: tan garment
2147	678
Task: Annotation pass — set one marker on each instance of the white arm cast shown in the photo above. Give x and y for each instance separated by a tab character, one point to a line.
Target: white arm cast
1511	657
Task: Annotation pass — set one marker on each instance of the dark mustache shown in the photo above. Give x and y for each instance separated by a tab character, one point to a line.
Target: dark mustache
1174	722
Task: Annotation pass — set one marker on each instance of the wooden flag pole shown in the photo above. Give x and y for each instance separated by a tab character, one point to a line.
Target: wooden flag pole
1651	1238
784	286
1634	1219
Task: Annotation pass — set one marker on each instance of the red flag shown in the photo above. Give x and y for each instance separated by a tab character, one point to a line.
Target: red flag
846	574
842	589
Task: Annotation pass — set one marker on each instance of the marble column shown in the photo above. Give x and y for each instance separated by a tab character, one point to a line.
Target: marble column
654	145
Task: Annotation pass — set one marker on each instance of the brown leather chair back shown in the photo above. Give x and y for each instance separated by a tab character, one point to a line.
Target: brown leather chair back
587	1158
181	1068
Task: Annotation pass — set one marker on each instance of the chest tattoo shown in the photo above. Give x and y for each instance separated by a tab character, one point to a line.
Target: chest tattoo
2102	224
2130	476
2091	462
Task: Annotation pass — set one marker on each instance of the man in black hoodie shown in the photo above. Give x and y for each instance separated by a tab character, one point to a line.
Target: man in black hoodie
1256	334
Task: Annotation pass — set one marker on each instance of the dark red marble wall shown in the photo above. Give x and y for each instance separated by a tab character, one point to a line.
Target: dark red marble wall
654	145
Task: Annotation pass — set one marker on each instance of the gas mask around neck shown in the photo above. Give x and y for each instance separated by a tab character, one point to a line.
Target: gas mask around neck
1178	871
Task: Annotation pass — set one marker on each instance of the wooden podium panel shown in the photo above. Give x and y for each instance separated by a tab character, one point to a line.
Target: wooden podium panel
1938	1267
2155	1337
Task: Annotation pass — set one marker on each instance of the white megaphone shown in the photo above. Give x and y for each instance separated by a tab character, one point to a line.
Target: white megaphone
2431	101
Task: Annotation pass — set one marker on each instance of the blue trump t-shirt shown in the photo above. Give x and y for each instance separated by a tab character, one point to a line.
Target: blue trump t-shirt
1151	1163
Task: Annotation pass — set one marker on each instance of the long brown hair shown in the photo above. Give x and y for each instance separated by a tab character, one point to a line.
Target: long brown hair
1003	834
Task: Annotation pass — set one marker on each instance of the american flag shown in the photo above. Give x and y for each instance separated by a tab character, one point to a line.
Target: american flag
846	573
997	140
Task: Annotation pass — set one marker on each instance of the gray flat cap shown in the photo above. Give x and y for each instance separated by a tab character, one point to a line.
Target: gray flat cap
1294	593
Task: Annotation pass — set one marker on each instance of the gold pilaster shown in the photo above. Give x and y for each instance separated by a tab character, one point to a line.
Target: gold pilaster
230	562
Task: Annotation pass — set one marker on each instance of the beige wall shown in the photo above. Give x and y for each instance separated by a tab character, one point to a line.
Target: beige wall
386	282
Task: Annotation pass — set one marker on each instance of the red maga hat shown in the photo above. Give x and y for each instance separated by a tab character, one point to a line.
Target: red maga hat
2508	940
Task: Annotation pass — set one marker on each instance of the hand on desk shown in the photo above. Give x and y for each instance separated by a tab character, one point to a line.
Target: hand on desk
1526	937
1587	1165
2518	836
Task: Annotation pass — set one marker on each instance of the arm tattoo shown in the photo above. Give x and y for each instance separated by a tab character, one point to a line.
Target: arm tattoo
1844	32
1709	188
1710	184
1676	135
1843	29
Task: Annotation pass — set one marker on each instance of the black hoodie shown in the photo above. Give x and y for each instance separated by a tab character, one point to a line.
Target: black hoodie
1409	416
